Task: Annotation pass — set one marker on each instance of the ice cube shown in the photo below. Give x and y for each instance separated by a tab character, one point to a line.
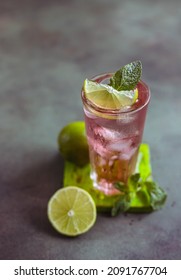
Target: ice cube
128	154
107	134
122	145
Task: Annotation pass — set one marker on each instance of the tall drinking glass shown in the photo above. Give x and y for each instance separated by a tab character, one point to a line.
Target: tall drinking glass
114	137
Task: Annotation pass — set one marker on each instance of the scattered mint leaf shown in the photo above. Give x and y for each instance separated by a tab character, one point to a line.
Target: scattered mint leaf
121	205
127	77
133	182
120	186
157	195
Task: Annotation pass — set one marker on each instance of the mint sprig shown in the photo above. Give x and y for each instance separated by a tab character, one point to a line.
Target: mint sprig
127	77
140	188
147	191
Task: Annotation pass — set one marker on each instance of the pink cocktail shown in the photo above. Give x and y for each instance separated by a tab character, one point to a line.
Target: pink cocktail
114	137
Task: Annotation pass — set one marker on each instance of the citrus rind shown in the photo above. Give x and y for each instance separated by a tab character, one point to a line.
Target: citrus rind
105	96
71	211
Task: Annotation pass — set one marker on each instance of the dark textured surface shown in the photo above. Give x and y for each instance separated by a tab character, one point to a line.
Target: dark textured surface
47	48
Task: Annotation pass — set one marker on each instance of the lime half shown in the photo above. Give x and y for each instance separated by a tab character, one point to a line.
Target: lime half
105	96
72	211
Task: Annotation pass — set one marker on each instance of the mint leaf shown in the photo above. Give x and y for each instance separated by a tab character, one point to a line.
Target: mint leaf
121	205
128	193
115	81
127	77
120	186
133	182
157	195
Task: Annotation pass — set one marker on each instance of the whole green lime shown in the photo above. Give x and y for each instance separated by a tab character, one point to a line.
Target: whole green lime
72	143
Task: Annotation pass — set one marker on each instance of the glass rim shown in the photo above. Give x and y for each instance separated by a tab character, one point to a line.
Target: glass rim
116	112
